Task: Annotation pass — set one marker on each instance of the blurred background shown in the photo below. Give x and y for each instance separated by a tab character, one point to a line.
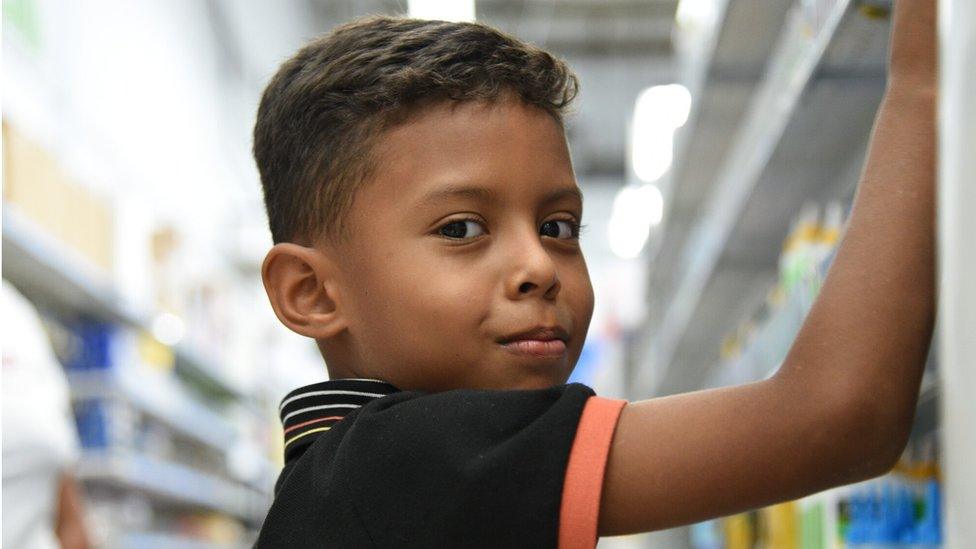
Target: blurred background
718	144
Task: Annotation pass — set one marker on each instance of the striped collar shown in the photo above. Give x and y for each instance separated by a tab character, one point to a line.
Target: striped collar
311	410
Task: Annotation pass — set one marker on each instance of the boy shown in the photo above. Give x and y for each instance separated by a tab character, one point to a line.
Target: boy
426	220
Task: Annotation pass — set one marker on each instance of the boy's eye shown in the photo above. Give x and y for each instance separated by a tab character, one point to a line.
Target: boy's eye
560	228
463	228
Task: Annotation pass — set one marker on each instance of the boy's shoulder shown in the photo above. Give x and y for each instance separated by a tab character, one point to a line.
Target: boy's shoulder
391	467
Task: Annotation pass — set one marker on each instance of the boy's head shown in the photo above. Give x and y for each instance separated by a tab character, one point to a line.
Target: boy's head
423	205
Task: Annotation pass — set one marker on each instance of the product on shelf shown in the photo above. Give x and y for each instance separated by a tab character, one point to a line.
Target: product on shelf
797	259
759	344
896	511
38	186
892	513
899	510
902	509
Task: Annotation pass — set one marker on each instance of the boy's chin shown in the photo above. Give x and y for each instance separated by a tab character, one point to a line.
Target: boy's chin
535	380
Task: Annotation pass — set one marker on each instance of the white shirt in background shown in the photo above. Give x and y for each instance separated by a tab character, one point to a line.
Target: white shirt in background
39	435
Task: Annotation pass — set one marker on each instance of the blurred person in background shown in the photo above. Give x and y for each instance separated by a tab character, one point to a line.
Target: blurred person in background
42	504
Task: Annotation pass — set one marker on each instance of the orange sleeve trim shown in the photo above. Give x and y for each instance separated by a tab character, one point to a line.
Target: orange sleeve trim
580	507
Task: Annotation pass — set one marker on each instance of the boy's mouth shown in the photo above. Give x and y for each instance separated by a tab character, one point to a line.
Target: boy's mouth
541	341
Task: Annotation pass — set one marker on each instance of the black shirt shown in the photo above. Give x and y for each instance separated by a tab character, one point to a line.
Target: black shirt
368	465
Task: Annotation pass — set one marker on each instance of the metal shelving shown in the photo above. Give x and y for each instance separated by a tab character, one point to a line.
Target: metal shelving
763	354
162	401
957	289
172	483
48	272
800	139
60	280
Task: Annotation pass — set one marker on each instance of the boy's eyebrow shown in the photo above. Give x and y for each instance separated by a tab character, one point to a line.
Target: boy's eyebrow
559	194
459	191
488	195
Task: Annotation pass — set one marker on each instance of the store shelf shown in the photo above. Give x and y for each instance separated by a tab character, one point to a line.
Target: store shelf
192	363
784	153
172	483
763	358
763	353
48	272
163	400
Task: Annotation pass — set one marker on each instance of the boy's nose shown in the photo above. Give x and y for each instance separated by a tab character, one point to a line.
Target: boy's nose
533	272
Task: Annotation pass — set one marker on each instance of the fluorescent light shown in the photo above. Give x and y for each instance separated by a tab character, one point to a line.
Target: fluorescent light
636	209
659	111
693	13
443	10
667	105
652	151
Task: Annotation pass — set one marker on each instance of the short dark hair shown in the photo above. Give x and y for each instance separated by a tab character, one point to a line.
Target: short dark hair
319	113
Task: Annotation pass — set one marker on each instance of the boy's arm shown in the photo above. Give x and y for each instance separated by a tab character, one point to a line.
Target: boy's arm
841	406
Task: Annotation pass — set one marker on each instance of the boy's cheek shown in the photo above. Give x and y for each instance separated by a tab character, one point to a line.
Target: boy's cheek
585	296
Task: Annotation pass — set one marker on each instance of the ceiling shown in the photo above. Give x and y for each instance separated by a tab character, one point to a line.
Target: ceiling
616	47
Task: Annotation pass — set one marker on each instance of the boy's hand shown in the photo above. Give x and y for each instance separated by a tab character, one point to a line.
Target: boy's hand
914	52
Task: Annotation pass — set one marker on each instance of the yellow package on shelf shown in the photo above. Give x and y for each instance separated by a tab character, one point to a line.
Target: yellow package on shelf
155	354
779	527
35	182
739	532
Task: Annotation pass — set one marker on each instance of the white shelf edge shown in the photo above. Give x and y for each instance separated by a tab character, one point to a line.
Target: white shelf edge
181	413
173	483
61	274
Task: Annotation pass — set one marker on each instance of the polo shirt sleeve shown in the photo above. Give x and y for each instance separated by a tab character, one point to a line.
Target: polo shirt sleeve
478	467
583	485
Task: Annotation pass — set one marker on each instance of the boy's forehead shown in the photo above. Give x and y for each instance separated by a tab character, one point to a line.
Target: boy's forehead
471	150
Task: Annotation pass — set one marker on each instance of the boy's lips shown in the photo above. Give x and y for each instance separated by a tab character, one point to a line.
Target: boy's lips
541	341
552	348
538	333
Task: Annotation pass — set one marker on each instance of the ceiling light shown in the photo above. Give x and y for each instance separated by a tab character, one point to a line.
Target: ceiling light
694	13
442	10
659	111
636	209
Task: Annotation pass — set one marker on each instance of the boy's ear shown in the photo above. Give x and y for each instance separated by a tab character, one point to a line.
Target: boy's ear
302	285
